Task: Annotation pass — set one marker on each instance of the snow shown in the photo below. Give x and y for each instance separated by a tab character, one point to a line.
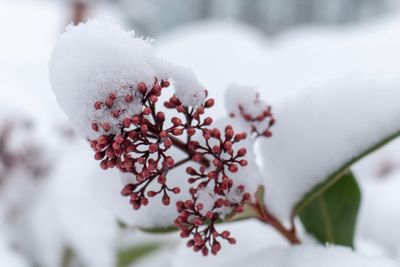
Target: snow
219	53
226	52
250	103
235	97
68	207
310	256
10	256
322	128
97	58
379	211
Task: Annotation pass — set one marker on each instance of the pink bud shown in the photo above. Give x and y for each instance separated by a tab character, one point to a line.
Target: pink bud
233	168
229	134
128	98
208	121
147	111
109	102
119	139
232	241
170	162
197	222
142	88
95	126
191	171
180	108
242	152
228	146
127	190
177	131
197	157
135	119
151	193
243	162
225	234
216	133
176	121
212	175
267	133
153	148
160	116
209	103
167	143
126	122
161	179
163	134
164	83
106	126
112	96
216	149
191	131
166	200
176	190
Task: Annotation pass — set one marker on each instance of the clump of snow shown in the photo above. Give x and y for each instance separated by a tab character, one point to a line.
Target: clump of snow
310	256
187	88
243	101
245	96
319	130
97	58
207	197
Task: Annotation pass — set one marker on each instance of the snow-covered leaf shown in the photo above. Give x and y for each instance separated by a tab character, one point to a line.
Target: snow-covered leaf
322	131
330	215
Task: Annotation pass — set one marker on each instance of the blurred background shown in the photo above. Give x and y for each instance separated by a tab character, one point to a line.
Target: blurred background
50	215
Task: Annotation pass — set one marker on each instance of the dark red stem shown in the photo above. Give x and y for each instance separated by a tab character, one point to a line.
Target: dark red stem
265	216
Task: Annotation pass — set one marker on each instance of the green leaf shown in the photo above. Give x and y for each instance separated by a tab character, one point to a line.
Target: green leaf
128	256
160	230
67	257
331	215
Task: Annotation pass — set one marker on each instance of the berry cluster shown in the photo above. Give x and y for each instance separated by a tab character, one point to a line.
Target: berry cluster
194	220
259	121
141	147
28	157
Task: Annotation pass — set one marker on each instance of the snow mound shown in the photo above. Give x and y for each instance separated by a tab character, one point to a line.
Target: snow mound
97	58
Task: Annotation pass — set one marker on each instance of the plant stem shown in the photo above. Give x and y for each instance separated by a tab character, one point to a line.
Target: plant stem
184	147
265	216
183	161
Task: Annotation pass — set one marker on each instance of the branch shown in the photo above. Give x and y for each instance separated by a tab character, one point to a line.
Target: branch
265	216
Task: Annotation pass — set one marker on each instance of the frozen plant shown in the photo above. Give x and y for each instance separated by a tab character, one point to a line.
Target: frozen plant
110	84
116	92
